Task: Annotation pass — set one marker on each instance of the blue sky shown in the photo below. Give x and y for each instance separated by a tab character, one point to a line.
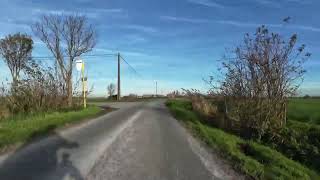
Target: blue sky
175	42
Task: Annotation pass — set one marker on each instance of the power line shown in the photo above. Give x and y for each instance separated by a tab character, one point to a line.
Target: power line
85	56
88	55
43	58
132	68
100	55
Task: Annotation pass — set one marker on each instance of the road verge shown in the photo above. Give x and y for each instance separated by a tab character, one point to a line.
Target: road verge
255	160
23	129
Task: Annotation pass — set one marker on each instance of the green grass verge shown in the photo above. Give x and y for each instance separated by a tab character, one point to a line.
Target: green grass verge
253	159
304	110
21	129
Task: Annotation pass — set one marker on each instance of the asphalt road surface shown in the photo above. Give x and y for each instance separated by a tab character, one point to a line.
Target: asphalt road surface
137	141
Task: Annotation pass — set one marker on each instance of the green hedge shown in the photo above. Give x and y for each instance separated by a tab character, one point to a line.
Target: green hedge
300	142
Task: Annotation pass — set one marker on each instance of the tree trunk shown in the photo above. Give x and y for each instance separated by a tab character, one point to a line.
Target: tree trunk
69	92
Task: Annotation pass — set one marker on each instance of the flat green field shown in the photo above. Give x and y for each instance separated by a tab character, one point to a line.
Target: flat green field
304	110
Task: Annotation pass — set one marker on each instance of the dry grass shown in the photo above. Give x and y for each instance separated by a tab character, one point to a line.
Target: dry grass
4	112
203	106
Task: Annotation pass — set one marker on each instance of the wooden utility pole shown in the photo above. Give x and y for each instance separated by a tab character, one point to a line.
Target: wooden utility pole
119	95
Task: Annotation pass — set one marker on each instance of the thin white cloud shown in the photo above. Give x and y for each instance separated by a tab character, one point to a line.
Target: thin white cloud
101	12
307	28
298	1
135	53
208	3
269	3
245	24
135	38
142	28
182	19
277	3
115	10
294	1
89	12
224	22
248	24
237	23
18	26
104	50
48	11
241	24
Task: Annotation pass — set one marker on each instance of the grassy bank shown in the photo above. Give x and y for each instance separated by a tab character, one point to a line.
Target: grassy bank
21	129
304	110
253	159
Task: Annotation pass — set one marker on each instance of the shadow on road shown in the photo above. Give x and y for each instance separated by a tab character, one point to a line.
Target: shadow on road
43	160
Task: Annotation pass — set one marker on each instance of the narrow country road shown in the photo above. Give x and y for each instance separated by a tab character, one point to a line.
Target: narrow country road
137	141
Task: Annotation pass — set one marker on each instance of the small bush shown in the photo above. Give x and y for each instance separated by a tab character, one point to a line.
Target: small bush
39	90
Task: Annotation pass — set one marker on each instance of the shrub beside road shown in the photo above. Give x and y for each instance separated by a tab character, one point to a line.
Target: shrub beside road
253	159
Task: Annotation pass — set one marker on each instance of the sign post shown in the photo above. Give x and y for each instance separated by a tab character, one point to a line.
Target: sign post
80	67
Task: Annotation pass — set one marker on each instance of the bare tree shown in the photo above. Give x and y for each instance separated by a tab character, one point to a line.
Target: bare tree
67	37
111	89
265	71
16	50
